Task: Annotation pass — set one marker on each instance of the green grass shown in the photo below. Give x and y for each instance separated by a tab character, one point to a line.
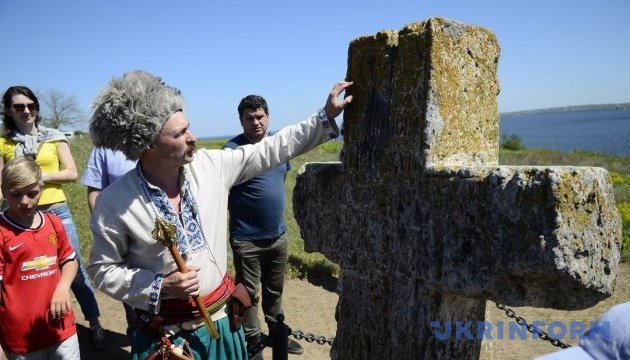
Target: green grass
303	264
76	195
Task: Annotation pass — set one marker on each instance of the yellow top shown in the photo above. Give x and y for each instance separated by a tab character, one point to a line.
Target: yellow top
47	159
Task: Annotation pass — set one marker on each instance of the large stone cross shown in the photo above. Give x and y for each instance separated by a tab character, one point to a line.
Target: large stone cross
421	219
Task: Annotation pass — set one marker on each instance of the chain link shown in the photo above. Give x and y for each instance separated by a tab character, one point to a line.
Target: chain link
298	335
531	328
310	338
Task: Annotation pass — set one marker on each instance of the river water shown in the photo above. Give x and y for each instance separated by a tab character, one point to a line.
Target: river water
605	132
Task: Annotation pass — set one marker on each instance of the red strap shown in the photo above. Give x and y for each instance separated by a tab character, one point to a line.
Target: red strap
175	310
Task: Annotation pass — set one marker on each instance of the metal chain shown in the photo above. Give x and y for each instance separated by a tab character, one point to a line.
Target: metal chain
541	334
298	335
308	337
322	340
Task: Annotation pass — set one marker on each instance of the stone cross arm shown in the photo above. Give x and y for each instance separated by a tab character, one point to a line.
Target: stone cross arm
546	237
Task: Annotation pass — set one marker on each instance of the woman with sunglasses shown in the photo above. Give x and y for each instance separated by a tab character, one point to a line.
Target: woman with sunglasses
24	136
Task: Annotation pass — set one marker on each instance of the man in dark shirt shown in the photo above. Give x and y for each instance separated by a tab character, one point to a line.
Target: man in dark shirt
257	231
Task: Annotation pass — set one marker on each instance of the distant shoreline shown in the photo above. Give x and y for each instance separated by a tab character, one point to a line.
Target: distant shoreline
563	109
554	110
225	137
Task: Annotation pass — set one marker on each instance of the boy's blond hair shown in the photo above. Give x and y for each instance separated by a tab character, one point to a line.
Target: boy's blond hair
21	172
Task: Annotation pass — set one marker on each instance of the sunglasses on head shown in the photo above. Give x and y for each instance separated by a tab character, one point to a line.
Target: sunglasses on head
21	107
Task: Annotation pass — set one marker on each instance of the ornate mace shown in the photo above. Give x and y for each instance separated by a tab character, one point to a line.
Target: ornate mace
166	233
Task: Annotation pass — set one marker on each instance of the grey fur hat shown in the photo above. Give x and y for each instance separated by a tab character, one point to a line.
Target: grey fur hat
129	113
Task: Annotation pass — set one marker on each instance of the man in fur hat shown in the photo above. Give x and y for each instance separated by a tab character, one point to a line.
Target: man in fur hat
141	116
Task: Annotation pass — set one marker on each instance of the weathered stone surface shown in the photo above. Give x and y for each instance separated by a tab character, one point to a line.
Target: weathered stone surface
423	222
543	237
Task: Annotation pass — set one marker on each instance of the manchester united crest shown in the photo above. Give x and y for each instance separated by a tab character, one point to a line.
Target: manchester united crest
52	238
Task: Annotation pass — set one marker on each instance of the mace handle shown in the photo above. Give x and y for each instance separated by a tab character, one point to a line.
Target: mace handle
181	266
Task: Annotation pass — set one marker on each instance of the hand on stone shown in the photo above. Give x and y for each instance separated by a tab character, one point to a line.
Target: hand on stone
334	107
182	285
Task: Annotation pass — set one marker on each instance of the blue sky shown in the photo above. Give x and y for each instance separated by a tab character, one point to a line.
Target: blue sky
553	52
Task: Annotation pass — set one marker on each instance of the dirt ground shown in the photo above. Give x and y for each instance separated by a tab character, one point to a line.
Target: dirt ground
310	307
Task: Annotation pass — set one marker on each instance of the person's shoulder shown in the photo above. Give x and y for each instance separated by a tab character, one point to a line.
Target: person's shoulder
52	135
117	197
127	184
95	158
110	153
52	219
204	156
206	161
4	145
236	141
52	132
4	224
5	140
129	178
99	151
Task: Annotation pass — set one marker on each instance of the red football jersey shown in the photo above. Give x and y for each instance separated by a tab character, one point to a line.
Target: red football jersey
30	270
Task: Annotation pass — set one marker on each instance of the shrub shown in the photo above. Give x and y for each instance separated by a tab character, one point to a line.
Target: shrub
511	142
621	186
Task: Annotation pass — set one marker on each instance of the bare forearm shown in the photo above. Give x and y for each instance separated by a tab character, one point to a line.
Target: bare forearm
92	194
60	303
68	172
63	176
68	272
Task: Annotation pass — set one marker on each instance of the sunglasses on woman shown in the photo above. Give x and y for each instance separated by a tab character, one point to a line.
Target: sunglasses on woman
21	107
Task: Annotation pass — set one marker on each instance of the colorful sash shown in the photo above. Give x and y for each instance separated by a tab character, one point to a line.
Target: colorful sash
176	311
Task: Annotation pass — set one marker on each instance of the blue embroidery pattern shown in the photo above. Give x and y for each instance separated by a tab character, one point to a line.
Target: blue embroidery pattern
190	218
156	285
189	234
329	124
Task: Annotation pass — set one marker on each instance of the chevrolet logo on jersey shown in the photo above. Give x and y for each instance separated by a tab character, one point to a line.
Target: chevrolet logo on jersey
39	263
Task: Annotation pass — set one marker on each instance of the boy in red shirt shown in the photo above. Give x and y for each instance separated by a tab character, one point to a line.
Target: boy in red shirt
37	266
